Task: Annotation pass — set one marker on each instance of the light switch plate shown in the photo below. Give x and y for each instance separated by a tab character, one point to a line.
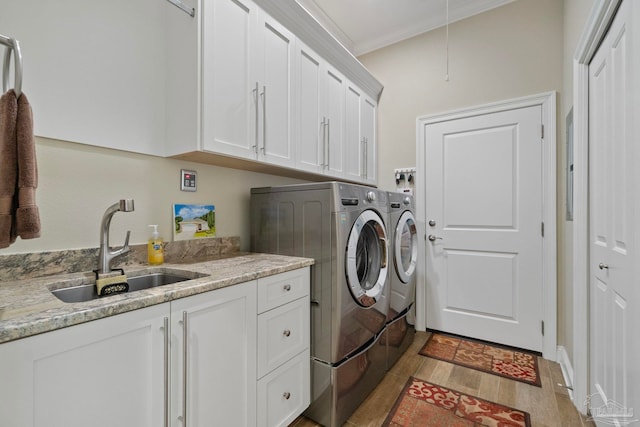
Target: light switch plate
188	180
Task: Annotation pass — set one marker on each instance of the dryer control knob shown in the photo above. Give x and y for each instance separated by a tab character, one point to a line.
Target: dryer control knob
406	201
371	196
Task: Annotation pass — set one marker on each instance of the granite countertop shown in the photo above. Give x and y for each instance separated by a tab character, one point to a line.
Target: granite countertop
27	307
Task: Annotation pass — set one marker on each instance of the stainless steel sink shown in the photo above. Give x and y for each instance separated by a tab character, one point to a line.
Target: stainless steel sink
87	292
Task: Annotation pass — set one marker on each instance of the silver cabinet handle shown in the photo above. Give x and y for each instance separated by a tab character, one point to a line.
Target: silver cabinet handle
286	395
433	238
328	136
185	371
287	287
363	142
286	333
324	142
264	119
257	93
166	371
366	157
603	266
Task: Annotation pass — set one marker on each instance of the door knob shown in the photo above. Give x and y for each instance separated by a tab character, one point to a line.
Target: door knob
603	266
433	238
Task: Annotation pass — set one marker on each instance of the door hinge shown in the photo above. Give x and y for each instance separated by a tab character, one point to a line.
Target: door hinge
542	131
542	326
542	228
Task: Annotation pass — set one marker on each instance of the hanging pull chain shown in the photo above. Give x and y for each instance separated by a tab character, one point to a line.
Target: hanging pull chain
446	76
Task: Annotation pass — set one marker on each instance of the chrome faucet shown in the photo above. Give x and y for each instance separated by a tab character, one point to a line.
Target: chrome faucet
106	255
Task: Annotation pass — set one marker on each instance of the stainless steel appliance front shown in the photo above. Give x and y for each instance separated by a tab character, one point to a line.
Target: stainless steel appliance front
343	227
402	275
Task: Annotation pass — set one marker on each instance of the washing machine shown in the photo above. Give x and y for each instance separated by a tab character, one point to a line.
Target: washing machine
343	228
403	237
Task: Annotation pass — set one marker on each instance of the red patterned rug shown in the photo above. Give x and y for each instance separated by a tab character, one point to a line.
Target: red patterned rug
498	360
429	405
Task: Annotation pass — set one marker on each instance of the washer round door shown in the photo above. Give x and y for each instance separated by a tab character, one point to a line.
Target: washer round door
366	258
406	246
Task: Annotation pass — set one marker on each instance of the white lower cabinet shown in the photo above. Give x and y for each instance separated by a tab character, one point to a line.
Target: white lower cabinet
284	393
213	358
197	356
283	348
105	373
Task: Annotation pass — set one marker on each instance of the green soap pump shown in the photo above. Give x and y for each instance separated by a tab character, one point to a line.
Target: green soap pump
155	248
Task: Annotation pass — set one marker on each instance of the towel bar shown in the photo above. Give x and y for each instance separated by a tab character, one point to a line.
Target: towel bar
13	45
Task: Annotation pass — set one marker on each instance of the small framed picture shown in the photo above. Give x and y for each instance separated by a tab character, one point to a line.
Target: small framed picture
193	221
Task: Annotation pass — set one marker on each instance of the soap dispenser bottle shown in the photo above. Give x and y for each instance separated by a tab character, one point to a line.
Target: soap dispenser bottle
155	248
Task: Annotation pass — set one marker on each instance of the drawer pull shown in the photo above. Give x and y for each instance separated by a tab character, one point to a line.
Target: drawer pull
286	333
286	395
287	287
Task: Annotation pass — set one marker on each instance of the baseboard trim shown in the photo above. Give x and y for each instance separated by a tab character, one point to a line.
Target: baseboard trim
567	369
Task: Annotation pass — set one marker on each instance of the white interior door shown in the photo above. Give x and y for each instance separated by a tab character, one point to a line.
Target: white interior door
484	210
611	186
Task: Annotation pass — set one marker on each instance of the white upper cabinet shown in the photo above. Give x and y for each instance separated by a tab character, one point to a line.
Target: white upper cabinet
94	71
321	110
360	145
275	85
237	84
336	122
368	120
353	148
229	73
334	114
310	154
247	67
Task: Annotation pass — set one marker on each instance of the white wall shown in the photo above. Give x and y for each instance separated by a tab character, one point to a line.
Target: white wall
520	49
78	182
508	52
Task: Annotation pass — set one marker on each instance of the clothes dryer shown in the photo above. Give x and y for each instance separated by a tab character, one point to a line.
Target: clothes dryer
402	275
343	228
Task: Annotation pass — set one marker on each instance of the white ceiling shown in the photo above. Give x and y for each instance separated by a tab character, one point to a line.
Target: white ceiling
366	25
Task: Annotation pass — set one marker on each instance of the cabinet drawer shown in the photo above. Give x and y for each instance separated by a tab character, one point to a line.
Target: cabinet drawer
282	288
284	393
282	333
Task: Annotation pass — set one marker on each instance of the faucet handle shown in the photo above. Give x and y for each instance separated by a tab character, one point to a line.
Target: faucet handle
125	248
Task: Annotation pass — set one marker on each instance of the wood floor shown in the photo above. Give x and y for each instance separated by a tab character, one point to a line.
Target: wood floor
548	406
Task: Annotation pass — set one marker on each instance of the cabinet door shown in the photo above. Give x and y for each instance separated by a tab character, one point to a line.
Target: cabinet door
219	387
275	50
105	373
334	114
92	72
353	143
368	112
229	81
310	130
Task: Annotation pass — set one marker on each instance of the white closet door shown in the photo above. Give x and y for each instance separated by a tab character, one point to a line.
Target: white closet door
612	219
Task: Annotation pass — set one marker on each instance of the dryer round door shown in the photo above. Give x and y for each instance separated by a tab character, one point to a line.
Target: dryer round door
366	258
405	246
